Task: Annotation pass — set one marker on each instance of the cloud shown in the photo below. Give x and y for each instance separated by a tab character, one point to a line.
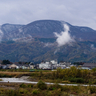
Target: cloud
1	35
49	44
92	47
76	12
64	37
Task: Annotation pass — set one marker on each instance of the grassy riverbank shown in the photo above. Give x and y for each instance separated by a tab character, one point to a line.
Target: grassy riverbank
41	89
72	75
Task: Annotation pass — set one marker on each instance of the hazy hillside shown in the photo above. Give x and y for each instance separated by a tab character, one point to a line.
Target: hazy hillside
37	41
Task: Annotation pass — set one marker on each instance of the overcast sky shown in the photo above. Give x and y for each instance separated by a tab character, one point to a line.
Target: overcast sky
75	12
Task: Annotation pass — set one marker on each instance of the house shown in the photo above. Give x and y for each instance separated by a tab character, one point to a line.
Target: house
36	66
25	66
86	68
0	61
12	66
89	65
0	66
3	66
22	66
31	65
54	62
67	64
45	65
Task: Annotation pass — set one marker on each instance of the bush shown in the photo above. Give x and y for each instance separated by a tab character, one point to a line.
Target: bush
55	86
30	85
23	85
92	89
23	91
94	82
12	93
80	80
77	80
41	85
35	92
66	88
57	92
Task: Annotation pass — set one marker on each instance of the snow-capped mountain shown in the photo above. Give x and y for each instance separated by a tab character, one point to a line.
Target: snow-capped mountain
37	41
44	29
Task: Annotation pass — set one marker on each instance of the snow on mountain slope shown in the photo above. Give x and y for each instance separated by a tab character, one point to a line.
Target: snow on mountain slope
44	29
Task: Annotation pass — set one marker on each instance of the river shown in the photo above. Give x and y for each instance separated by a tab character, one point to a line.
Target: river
20	80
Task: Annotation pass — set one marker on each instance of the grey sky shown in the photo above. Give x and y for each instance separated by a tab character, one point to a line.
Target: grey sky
75	12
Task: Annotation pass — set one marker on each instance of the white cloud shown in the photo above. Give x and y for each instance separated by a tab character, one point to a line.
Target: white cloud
1	35
64	37
77	12
92	47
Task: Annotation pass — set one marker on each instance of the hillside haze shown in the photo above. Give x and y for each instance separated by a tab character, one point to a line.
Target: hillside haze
37	41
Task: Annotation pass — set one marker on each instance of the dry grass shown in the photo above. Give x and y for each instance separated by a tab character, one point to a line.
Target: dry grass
52	90
14	74
0	79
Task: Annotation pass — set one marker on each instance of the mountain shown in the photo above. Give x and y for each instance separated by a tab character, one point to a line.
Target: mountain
36	51
8	31
44	29
36	41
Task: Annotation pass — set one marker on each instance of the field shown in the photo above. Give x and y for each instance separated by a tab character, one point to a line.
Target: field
70	76
41	89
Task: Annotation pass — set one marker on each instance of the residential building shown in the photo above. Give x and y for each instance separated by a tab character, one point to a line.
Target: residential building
45	65
89	65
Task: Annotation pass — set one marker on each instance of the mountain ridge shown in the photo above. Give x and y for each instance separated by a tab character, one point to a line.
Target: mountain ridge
45	29
36	41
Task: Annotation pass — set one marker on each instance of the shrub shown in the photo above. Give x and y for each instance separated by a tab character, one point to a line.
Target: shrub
23	91
35	92
94	69
92	89
41	85
93	82
55	86
57	92
30	85
51	87
75	89
12	93
66	88
23	85
80	80
77	80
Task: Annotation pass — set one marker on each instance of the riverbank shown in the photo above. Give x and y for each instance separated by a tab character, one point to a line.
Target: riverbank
41	89
26	81
68	76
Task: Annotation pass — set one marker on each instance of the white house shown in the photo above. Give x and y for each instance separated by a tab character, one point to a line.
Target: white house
31	65
45	65
67	64
54	62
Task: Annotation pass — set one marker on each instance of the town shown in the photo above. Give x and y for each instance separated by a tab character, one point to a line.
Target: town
45	65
